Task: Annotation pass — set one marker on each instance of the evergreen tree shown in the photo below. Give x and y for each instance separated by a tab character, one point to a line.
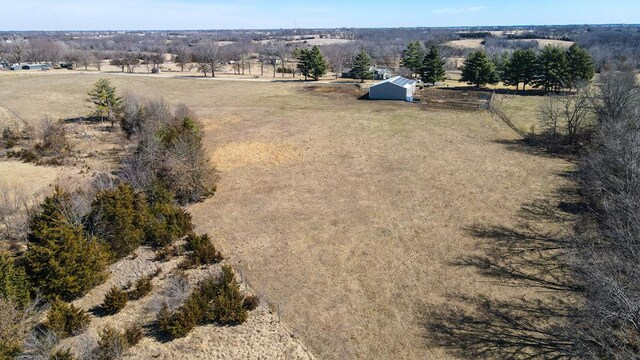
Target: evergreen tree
413	56
479	70
432	69
304	62
551	69
14	285
362	66
520	67
60	261
580	65
117	218
311	62
103	96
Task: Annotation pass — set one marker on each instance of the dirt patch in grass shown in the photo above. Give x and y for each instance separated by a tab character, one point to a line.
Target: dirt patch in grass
336	90
237	154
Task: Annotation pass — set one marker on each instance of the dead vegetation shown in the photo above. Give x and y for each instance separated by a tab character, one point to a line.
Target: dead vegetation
372	190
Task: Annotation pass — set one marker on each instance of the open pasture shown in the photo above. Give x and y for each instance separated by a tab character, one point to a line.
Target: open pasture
349	216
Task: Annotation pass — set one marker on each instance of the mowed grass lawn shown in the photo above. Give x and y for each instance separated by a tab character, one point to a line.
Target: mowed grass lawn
349	215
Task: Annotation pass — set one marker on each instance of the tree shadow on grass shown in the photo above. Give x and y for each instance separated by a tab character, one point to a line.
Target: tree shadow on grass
530	327
481	328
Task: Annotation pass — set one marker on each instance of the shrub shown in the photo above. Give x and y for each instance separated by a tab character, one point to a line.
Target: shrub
117	217
114	301
251	302
165	253
215	300
170	149
62	355
163	318
229	307
193	312
133	334
66	320
112	344
9	138
53	140
25	155
143	286
41	344
167	223
186	168
202	251
13	281
16	322
131	114
60	261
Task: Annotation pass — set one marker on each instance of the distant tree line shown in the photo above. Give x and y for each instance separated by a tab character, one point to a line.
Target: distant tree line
253	52
552	69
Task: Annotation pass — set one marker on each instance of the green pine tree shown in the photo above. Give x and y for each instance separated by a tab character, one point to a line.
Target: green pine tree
552	72
60	261
413	56
311	62
14	284
362	66
117	218
103	97
318	63
432	69
479	70
519	68
580	65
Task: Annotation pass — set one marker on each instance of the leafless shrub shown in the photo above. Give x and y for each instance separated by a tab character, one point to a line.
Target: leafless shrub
53	140
86	346
16	323
16	206
566	118
618	96
39	345
131	114
607	250
169	149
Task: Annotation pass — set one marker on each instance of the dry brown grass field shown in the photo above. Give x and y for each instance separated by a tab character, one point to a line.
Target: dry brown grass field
350	216
477	43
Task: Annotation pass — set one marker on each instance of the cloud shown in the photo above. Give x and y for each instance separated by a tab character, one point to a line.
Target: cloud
459	10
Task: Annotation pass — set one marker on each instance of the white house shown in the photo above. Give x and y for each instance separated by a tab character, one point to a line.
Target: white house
395	88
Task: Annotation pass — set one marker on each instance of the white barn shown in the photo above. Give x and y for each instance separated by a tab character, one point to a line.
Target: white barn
395	88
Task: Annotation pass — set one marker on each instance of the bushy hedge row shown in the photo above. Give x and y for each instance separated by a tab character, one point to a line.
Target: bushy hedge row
216	300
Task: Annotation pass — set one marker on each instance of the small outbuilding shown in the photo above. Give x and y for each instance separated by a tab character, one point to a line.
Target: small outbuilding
395	88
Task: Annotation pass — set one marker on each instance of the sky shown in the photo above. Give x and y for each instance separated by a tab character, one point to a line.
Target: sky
276	14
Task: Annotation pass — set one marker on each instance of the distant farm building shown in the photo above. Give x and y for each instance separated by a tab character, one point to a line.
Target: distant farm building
395	88
378	73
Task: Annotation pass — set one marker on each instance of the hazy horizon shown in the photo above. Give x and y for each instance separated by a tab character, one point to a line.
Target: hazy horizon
158	15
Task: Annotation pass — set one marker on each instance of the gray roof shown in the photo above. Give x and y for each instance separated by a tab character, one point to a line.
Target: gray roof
398	80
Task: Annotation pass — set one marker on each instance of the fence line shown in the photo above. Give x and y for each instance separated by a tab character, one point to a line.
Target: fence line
274	309
496	110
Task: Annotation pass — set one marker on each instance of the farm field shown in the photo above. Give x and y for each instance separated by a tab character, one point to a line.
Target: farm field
478	43
350	217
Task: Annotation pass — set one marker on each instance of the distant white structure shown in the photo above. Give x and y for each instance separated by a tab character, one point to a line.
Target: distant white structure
395	88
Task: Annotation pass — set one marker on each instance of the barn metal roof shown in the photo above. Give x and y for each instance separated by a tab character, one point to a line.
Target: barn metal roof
398	80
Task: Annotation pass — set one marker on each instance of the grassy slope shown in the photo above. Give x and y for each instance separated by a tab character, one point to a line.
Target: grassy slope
354	231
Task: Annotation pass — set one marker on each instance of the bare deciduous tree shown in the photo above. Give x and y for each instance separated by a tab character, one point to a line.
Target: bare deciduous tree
208	53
